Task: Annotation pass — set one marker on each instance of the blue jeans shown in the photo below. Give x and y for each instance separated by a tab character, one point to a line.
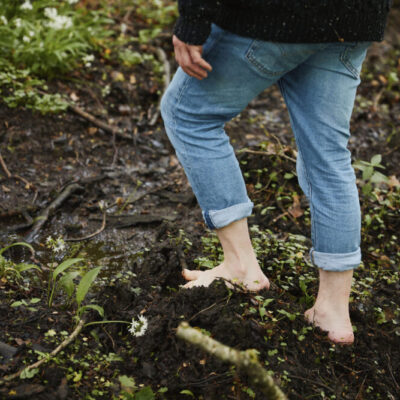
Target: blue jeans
318	82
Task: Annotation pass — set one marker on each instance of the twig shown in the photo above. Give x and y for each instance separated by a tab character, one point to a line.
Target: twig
266	153
246	361
391	372
101	124
90	236
3	164
44	216
37	364
28	185
376	100
209	308
167	79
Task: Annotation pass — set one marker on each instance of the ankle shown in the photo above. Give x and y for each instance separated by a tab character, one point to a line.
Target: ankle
241	262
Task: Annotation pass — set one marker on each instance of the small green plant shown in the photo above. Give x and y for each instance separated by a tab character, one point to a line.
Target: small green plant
60	277
8	267
43	39
156	14
370	175
130	391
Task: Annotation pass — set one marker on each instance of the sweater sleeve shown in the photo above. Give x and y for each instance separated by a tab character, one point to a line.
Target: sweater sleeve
194	22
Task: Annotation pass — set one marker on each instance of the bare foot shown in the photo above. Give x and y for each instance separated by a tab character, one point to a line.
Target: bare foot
336	323
252	278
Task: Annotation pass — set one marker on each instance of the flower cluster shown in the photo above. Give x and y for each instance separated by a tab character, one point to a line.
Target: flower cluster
139	327
27	5
57	245
57	22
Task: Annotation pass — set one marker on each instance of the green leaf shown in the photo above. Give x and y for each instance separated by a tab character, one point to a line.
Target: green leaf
188	392
376	159
67	282
145	394
64	265
367	189
25	267
16	244
127	382
29	373
378	177
288	175
85	284
95	307
367	173
18	303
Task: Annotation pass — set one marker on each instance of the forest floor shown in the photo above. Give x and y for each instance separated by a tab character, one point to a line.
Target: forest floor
153	228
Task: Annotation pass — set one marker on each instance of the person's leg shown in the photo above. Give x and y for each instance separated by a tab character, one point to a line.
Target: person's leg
320	96
194	114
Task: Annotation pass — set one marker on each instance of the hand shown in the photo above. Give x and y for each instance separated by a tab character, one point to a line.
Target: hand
189	58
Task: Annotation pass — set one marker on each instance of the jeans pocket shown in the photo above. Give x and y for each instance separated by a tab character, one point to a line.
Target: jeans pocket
267	58
352	57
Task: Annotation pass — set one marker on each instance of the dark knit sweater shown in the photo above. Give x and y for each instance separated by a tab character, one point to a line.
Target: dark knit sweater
292	21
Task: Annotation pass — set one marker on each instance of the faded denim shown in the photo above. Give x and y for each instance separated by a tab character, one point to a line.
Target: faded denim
318	82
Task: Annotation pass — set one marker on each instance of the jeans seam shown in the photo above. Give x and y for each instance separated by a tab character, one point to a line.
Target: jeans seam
174	124
345	59
312	212
179	98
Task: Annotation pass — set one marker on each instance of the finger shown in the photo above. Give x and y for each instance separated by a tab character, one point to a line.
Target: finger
195	54
183	58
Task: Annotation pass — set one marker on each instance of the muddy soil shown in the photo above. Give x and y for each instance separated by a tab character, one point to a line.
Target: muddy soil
154	228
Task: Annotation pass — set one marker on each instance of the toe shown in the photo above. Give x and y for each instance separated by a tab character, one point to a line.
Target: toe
190	275
188	285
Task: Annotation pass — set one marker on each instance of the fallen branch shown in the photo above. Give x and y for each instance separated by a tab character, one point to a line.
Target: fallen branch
246	361
37	364
44	216
167	79
101	124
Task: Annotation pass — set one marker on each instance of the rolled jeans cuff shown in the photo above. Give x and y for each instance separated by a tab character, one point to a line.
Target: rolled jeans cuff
336	261
216	219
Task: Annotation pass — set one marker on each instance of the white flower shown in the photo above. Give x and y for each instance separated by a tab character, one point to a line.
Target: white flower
31	33
17	22
72	1
3	19
59	245
88	62
57	21
123	28
26	39
27	5
102	203
139	327
60	22
50	12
